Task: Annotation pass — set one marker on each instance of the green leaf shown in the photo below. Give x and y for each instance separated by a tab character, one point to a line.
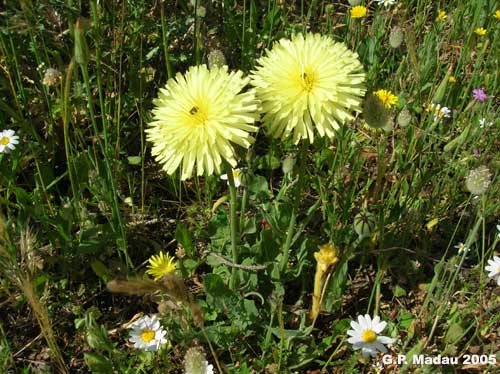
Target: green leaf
454	333
183	238
398	291
98	364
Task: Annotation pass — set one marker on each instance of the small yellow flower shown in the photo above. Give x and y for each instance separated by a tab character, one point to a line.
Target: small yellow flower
358	11
481	31
160	265
452	79
442	15
387	98
497	14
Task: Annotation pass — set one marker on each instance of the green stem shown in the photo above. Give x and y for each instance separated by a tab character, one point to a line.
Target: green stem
170	72
234	225
293	216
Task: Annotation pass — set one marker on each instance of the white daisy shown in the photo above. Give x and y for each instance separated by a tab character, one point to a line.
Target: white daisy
365	335
494	268
236	177
147	334
385	2
462	248
8	140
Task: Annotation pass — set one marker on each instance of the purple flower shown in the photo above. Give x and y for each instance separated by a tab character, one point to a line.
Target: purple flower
479	94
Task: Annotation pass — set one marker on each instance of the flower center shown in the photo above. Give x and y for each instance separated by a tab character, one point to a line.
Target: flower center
236	174
5	140
498	270
147	335
308	81
198	114
369	336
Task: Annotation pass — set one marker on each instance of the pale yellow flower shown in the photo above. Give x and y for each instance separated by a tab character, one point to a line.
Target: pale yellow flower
198	117
307	84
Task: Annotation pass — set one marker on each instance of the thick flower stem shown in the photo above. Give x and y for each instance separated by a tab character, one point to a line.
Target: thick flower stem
234	225
293	216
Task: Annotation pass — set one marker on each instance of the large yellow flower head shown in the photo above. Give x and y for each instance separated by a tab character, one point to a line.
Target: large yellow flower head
308	83
197	118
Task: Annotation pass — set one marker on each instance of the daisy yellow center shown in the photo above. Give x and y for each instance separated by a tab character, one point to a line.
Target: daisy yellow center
5	140
147	335
236	174
198	114
308	81
369	336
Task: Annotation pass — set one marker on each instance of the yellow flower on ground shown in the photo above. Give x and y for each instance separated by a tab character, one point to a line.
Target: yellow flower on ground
387	98
358	11
161	265
481	31
307	84
497	14
452	79
442	15
197	118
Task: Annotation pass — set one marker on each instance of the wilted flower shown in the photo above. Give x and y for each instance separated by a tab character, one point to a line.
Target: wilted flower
161	265
494	268
385	2
147	334
51	77
396	37
236	177
387	98
478	180
197	118
326	257
442	15
438	111
462	248
195	362
481	31
365	335
358	11
480	95
8	140
307	84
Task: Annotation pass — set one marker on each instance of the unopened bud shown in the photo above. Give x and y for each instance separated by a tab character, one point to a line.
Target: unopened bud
396	37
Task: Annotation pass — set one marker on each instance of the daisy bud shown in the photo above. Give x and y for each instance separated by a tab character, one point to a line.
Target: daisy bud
396	37
478	180
404	117
216	59
195	362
